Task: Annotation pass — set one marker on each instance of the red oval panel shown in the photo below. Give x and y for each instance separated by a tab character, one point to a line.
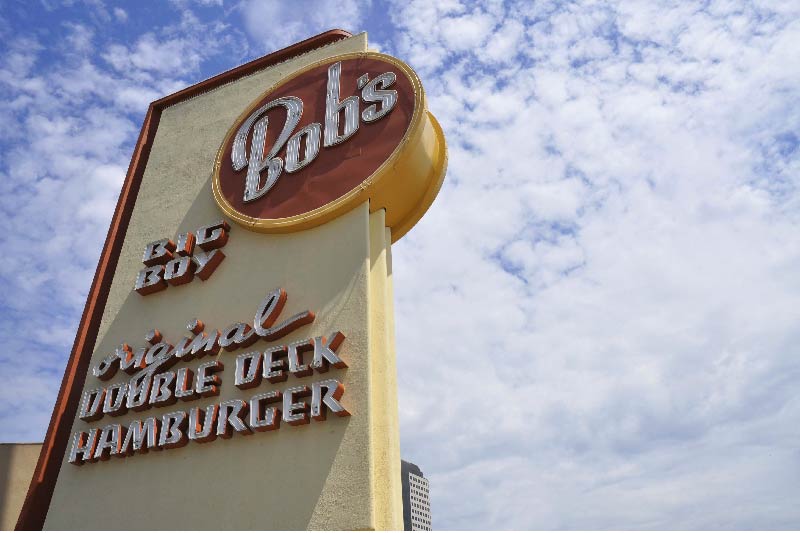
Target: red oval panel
338	169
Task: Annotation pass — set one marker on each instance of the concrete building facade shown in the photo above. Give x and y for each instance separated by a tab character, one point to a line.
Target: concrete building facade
17	463
416	498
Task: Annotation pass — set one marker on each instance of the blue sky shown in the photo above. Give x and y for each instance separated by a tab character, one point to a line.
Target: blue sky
598	321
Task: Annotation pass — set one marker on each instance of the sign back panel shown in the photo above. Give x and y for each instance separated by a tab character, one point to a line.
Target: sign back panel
242	379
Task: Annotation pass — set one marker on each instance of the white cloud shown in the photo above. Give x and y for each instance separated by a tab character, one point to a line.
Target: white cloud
120	14
178	56
597	321
503	45
466	32
609	329
70	125
80	38
276	24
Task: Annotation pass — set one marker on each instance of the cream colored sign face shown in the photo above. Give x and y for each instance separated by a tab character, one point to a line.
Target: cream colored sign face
284	346
355	149
152	385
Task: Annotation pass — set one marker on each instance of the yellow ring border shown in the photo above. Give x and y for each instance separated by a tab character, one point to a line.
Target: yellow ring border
405	184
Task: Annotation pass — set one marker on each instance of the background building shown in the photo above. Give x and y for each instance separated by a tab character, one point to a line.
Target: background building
17	462
416	498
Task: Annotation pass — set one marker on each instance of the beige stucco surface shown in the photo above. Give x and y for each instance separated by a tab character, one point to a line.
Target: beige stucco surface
339	474
17	462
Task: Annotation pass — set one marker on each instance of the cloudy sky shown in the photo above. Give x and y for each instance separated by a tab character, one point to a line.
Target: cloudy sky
598	321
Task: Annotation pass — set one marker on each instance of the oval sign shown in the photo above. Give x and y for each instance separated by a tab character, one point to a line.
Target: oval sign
336	133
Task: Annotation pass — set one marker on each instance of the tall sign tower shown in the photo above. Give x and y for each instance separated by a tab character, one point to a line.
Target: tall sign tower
235	364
